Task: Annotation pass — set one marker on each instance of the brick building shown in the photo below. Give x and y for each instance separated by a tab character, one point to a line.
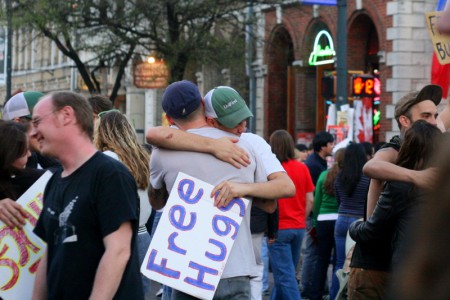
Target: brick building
386	38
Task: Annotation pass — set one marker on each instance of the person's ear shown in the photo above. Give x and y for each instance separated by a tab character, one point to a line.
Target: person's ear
210	121
67	113
170	120
404	121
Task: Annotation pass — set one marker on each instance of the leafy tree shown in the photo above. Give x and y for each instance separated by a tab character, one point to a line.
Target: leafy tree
98	34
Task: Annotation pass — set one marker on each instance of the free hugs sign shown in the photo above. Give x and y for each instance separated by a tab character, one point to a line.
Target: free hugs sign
194	238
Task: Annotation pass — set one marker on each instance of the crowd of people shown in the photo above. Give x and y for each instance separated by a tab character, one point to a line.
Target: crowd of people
108	190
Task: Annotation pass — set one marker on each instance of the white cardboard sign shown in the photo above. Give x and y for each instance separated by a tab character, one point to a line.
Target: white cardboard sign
194	238
21	250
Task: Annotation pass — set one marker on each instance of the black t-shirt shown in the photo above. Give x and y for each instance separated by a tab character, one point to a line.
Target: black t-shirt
316	166
20	183
79	211
258	220
395	143
45	162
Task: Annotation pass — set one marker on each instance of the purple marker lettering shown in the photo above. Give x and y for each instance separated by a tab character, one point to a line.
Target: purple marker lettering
179	223
172	245
221	255
199	281
186	196
228	224
237	201
162	268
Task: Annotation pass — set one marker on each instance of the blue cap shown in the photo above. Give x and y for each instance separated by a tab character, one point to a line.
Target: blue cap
180	99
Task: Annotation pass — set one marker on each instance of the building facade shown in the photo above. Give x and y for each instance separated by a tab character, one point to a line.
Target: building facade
386	39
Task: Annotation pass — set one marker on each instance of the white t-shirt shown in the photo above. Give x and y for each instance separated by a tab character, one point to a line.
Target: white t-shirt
264	152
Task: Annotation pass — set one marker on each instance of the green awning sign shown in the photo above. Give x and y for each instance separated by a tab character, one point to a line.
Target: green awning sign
323	50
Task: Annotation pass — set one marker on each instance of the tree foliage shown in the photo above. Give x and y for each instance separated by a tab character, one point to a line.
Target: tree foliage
98	34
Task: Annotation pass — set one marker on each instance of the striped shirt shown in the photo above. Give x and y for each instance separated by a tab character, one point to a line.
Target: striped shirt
354	205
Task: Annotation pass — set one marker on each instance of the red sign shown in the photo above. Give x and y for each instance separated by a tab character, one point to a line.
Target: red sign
151	75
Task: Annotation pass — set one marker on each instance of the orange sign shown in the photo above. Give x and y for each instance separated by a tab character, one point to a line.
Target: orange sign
365	86
151	75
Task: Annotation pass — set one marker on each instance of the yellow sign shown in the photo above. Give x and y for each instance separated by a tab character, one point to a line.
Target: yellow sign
151	75
441	43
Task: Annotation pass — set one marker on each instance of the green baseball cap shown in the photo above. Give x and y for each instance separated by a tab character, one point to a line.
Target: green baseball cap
227	106
21	105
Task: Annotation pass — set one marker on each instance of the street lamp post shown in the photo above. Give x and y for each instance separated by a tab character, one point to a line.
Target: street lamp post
8	48
249	33
341	98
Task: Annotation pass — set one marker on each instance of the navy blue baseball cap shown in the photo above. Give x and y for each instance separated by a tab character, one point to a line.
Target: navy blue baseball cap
180	99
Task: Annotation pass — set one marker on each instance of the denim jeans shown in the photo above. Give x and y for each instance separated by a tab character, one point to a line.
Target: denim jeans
284	255
156	222
309	262
234	288
143	241
340	235
325	245
265	259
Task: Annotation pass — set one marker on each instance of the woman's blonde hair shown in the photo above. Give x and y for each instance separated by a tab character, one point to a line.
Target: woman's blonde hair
115	133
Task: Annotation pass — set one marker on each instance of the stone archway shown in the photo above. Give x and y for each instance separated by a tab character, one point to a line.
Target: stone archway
280	57
363	44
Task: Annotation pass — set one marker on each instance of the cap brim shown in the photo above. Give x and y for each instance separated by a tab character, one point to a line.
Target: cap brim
232	120
430	92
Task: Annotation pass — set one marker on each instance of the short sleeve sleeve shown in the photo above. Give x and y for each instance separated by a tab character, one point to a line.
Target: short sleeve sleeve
262	150
117	200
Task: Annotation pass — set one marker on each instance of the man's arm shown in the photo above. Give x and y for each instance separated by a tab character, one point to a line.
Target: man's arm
12	213
224	148
40	282
113	262
157	197
279	185
382	167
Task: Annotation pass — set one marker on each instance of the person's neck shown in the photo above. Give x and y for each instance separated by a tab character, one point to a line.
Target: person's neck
322	155
75	157
193	125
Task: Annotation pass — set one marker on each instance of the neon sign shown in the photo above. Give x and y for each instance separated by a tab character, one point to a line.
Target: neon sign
322	55
365	86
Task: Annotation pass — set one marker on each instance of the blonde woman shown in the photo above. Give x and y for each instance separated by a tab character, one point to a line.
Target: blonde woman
115	136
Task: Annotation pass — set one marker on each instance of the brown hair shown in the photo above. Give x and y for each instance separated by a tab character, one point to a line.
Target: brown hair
418	145
81	107
328	184
282	145
100	103
424	269
116	134
13	146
